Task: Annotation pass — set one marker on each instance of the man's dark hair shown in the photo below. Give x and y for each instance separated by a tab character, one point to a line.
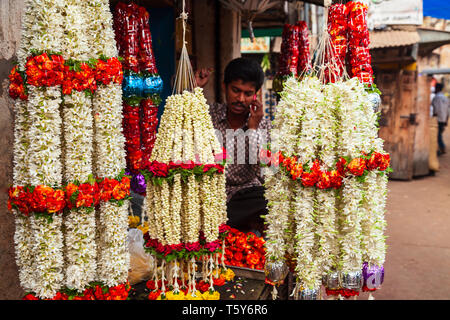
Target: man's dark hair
438	87
247	70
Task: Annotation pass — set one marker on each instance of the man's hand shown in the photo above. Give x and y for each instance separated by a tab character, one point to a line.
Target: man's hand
202	76
256	114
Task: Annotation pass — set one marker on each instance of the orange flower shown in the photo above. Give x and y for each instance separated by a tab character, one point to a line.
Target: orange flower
39	198
252	259
296	171
357	166
324	180
56	202
384	162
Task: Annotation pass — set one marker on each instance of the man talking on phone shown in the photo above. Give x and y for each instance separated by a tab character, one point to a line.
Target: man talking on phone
241	127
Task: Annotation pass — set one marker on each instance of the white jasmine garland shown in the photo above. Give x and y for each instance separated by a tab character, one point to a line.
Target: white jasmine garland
113	258
278	196
81	254
352	135
22	237
186	133
45	169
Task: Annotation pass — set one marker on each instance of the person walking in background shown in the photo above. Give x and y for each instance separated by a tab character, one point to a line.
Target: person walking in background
441	107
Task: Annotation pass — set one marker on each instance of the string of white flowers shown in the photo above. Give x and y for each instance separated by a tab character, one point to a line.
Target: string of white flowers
45	169
22	236
308	269
278	196
80	245
351	137
373	223
113	259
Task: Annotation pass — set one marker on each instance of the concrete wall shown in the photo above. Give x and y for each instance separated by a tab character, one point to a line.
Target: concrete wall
208	52
10	17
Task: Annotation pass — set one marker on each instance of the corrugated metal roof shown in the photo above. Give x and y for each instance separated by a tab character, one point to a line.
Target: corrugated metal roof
393	38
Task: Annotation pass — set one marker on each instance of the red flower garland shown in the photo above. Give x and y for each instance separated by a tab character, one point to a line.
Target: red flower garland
244	250
314	176
149	123
94	292
337	28
359	55
185	250
48	200
47	70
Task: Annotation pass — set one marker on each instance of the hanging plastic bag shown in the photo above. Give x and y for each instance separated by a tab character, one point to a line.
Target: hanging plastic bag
141	263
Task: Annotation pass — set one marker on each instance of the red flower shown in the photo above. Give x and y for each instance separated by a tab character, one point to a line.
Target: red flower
40	196
341	166
335	179
265	156
159	169
203	286
238	256
220	157
30	297
252	259
357	166
324	180
56	202
384	162
374	161
154	295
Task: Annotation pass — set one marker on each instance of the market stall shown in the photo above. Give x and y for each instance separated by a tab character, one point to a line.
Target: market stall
90	134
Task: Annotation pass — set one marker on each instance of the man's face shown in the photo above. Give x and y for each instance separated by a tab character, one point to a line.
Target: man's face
239	95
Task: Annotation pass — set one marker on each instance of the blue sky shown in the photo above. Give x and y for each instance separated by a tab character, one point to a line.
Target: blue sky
437	8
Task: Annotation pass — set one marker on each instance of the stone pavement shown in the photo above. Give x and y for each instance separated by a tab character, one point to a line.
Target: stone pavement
418	229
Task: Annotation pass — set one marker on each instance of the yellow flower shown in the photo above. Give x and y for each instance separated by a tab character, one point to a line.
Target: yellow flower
133	221
229	274
211	296
198	296
170	295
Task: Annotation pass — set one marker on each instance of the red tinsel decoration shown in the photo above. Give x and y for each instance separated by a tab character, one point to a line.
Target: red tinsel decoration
346	293
358	37
131	25
149	123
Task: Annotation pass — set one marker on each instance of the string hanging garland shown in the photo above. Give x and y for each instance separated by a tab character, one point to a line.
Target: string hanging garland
185	187
326	125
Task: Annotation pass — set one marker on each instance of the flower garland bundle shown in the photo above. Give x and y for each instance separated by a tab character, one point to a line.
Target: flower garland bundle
53	47
44	151
294	55
112	220
337	28
347	26
185	187
244	250
328	199
141	89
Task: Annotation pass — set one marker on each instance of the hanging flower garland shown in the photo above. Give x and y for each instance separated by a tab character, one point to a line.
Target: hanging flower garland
44	154
325	167
113	258
54	65
182	198
141	89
